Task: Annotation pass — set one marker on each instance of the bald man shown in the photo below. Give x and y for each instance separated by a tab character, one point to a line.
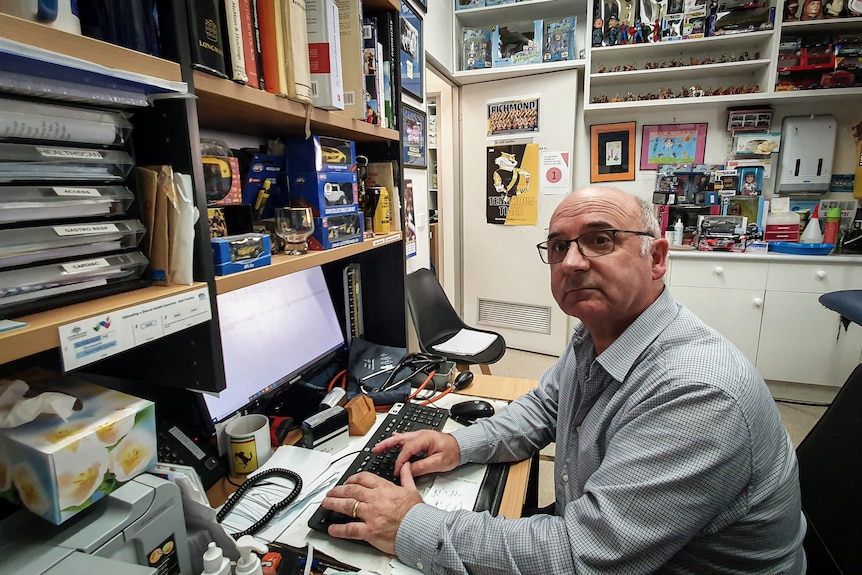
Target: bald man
671	456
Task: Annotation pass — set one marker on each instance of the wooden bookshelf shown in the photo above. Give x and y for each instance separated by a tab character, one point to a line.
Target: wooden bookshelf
231	107
41	332
85	48
380	5
283	264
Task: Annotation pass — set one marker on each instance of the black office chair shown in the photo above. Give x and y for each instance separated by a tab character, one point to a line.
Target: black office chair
830	469
436	321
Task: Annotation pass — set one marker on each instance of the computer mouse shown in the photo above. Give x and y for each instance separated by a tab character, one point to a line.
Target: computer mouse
467	412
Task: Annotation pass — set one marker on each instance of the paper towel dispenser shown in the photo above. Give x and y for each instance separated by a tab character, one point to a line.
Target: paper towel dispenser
807	151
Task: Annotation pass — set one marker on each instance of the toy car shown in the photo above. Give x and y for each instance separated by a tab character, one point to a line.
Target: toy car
334	195
837	79
333	155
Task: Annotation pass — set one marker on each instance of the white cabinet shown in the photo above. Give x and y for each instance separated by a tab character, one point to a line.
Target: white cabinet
768	307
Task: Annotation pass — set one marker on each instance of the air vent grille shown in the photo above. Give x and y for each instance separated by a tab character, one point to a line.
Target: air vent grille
517	316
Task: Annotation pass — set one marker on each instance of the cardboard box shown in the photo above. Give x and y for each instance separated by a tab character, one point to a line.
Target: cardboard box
559	39
324	54
326	193
336	231
350	32
466	4
262	197
476	49
320	154
233	254
221	176
517	44
56	468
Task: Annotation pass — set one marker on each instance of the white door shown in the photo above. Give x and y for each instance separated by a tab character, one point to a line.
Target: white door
506	285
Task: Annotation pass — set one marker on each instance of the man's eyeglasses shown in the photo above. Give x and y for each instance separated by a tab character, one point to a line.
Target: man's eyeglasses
591	245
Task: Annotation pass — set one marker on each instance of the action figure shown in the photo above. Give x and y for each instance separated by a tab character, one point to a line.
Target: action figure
598	32
613	30
791	7
509	179
834	8
812	10
638	36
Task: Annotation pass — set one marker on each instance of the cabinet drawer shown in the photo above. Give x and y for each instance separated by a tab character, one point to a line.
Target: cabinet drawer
814	277
719	274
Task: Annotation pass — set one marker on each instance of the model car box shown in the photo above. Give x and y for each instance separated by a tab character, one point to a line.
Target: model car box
517	44
241	252
326	193
336	231
58	467
320	154
559	39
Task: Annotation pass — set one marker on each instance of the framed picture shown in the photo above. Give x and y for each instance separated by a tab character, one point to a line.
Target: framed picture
412	53
612	152
422	5
672	144
414	137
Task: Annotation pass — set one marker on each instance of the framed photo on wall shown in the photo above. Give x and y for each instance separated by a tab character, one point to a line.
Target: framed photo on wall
421	4
612	152
414	137
672	144
412	53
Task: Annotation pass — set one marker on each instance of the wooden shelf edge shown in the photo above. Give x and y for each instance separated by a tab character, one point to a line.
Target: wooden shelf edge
41	333
284	264
380	5
264	112
85	48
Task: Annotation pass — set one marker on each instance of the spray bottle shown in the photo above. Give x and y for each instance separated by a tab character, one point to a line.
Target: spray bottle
249	563
678	229
215	563
812	233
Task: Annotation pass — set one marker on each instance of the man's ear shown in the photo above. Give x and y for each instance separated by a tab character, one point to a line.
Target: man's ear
658	258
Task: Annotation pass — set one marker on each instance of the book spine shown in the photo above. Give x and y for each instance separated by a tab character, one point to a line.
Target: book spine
350	26
324	54
370	64
381	93
280	49
246	10
233	26
386	33
207	44
295	63
269	44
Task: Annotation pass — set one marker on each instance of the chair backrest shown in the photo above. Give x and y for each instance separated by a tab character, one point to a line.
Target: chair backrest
433	316
830	476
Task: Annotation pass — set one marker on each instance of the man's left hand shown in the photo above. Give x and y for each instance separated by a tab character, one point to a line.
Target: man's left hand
378	504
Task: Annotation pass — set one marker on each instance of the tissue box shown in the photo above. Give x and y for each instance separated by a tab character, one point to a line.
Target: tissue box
56	468
336	231
233	254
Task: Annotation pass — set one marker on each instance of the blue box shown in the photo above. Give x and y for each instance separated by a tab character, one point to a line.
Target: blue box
467	4
320	154
264	198
498	2
476	49
336	231
511	48
233	254
559	39
326	193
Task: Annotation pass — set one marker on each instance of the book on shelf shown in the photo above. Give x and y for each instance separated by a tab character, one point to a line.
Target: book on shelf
250	41
269	31
324	54
297	70
205	36
386	36
372	61
350	26
235	58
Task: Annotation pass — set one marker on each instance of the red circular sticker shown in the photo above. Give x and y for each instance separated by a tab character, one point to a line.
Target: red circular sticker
554	175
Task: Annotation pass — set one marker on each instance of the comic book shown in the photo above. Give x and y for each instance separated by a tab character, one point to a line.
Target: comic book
476	49
560	40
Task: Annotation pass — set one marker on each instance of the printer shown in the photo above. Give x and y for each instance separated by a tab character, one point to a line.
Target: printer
138	529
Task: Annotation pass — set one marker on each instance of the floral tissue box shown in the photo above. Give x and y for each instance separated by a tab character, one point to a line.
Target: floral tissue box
56	468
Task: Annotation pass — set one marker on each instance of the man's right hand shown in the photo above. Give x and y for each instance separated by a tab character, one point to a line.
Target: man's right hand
441	451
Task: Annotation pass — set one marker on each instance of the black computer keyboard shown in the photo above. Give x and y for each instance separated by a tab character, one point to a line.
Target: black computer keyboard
403	417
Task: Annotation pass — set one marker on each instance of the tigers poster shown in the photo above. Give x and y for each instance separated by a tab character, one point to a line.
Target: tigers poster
513	186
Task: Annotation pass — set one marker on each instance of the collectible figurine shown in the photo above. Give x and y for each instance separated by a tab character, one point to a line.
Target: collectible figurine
791	7
812	10
613	30
598	31
834	8
638	36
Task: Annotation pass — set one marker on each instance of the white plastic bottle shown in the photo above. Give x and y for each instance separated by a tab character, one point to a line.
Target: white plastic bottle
812	233
249	563
215	563
678	229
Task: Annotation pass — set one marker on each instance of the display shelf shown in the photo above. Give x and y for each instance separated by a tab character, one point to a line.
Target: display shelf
466	77
682	48
681	73
524	10
41	332
828	25
89	49
835	94
283	264
231	107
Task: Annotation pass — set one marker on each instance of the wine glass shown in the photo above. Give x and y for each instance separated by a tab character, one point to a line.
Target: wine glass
294	225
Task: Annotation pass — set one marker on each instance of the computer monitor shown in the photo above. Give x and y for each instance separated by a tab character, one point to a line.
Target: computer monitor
271	332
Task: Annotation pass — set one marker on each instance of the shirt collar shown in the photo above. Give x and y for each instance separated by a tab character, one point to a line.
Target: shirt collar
620	357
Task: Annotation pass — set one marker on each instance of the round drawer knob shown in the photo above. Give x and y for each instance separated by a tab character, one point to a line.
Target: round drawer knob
719	270
758	301
821	274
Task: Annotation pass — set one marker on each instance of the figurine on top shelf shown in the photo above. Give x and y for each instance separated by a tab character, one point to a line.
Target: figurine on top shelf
834	9
791	7
598	32
812	10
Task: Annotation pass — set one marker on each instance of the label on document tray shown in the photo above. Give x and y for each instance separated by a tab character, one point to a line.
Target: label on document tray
65	153
78	192
82	230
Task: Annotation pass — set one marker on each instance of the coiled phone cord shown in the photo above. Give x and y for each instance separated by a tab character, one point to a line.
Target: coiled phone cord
278	506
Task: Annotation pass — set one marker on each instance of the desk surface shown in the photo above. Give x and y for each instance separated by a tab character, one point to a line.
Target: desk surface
490	386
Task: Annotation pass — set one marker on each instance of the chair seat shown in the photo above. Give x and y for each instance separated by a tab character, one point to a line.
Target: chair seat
848	303
491	354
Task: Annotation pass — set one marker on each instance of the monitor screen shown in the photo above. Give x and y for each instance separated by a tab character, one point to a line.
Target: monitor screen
271	332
